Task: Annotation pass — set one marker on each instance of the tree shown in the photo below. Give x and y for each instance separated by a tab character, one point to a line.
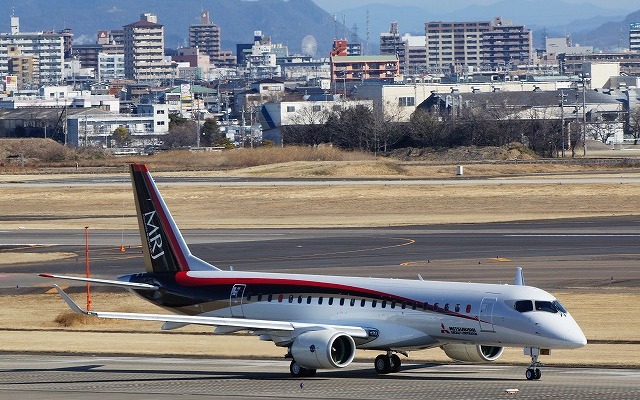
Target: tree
181	134
425	130
210	134
121	136
634	124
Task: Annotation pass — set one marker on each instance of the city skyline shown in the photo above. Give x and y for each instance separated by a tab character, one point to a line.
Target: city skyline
339	5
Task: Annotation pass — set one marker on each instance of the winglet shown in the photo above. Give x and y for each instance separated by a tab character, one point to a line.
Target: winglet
519	280
72	304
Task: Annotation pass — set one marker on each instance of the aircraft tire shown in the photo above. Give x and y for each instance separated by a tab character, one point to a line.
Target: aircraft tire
395	363
382	364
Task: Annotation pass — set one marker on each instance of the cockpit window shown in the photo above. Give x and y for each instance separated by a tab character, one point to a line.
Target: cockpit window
523	305
546	306
559	306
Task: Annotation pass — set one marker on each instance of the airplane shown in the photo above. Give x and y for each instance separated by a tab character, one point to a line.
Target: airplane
322	320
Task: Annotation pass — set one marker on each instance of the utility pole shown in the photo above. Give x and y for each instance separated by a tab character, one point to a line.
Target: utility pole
562	96
584	78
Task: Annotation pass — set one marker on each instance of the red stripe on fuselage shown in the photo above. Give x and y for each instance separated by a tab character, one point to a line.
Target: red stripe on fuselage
164	220
183	279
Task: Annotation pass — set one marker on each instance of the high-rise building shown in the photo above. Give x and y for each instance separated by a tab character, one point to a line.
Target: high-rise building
144	51
506	44
634	36
415	54
454	44
25	68
206	37
46	48
391	42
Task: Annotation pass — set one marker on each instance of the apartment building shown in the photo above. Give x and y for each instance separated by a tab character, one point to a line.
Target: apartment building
461	46
110	67
26	69
574	64
454	44
391	43
415	54
634	36
206	37
144	51
46	48
506	45
360	68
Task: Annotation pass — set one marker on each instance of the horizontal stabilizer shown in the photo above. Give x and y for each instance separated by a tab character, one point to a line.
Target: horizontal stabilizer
131	285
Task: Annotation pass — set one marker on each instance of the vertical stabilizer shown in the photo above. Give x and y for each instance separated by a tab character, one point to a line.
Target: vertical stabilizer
519	280
162	244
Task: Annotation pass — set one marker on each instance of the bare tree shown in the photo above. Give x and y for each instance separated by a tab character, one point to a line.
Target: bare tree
634	124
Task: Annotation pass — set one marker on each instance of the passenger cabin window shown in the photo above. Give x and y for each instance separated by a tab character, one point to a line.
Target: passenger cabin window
249	296
384	304
291	298
373	303
270	297
342	301
308	299
523	305
435	306
280	297
330	301
320	300
352	302
299	299
468	308
393	304
259	296
457	307
446	306
362	302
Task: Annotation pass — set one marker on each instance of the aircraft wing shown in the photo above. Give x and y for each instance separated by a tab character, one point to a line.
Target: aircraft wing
131	285
229	324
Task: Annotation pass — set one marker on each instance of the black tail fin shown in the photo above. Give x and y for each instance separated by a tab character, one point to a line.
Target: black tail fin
162	244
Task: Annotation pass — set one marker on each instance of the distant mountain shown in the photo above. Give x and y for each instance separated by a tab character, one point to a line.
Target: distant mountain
286	22
609	36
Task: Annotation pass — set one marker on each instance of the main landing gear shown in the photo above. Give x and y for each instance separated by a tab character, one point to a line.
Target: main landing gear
387	363
298	371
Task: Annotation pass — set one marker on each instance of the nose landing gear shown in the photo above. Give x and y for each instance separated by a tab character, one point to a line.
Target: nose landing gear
533	372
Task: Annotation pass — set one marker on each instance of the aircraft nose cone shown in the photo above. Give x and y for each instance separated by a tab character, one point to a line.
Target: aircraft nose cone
575	337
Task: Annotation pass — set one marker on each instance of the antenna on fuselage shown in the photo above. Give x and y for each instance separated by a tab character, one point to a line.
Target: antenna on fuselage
519	280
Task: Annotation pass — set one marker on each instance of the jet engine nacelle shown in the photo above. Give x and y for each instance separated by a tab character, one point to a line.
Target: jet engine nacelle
323	349
472	352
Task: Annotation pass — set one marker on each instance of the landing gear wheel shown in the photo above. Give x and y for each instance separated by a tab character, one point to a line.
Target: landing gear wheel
298	371
382	364
538	374
395	363
530	374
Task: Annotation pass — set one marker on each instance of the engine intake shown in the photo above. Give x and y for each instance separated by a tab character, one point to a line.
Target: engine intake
323	349
472	353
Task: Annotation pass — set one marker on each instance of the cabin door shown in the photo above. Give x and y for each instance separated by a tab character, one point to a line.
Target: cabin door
486	314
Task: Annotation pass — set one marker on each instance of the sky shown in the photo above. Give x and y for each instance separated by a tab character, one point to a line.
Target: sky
338	5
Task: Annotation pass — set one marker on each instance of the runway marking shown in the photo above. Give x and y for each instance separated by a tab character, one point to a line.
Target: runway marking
408	242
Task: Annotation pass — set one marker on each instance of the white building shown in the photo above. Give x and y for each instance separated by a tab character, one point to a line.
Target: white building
62	96
48	48
145	128
415	54
401	101
306	112
110	67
